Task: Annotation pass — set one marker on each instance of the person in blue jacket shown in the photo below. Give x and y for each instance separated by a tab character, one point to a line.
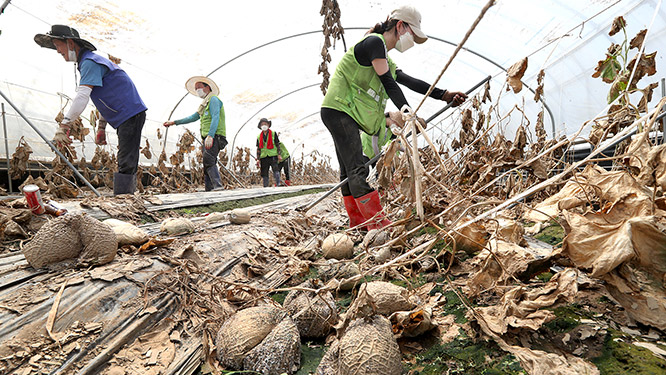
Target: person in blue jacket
113	93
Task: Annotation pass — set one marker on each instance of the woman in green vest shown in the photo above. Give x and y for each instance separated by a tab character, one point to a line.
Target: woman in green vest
213	129
268	145
284	164
356	99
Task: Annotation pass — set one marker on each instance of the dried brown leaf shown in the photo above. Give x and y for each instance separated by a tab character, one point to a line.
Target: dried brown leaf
515	74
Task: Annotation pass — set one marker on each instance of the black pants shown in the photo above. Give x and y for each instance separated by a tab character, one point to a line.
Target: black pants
269	161
285	164
345	133
210	155
129	142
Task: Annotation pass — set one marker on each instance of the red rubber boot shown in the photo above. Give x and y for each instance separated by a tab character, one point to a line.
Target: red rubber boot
371	208
287	182
355	216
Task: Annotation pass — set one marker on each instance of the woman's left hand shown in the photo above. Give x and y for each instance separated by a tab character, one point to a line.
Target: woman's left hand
209	142
454	98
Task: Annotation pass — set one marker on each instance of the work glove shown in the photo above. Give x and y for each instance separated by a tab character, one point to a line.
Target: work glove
168	123
61	136
455	98
208	143
405	114
258	164
279	158
100	137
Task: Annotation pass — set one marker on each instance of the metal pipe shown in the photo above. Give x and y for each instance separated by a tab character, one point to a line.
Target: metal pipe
380	154
231	151
53	147
550	113
4	128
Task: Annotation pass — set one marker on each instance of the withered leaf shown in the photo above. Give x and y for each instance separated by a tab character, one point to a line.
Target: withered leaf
539	90
637	41
486	92
646	66
647	97
515	74
618	24
607	69
146	151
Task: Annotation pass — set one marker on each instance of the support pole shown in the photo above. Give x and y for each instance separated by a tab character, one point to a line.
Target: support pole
380	154
4	128
53	147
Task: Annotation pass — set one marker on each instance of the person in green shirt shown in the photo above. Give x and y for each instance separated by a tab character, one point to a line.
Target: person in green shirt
356	98
268	145
284	164
213	128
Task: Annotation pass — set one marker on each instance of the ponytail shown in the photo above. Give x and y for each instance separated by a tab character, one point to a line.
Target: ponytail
382	27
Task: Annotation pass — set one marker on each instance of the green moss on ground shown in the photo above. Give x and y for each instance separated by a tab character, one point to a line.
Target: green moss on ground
279	297
553	234
620	358
311	355
463	356
455	306
242	203
567	318
545	276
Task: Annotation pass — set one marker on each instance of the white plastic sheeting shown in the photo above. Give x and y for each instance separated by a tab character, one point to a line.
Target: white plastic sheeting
161	44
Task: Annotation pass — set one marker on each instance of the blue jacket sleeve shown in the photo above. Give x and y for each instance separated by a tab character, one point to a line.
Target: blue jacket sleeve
214	107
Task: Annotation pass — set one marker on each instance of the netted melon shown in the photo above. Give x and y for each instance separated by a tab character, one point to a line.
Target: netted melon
178	225
384	297
72	236
313	313
127	233
366	348
337	246
339	270
262	338
239	216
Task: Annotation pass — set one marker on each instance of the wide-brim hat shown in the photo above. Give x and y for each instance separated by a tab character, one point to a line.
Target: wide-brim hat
189	85
62	32
264	119
413	18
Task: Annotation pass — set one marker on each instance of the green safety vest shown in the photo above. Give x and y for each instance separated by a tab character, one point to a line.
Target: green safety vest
268	148
381	139
283	151
206	120
357	91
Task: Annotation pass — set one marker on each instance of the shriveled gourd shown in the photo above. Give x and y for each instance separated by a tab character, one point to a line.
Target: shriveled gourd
366	348
126	233
177	225
337	246
239	216
72	236
262	338
313	313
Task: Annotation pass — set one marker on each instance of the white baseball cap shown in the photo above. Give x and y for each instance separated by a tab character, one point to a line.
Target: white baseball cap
413	18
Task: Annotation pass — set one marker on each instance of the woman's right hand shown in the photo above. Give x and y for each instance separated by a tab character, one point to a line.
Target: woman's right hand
169	123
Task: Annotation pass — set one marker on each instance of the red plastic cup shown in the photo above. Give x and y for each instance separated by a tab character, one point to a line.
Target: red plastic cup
34	199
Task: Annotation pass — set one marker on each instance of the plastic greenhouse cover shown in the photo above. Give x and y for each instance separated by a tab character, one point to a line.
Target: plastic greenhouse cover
162	43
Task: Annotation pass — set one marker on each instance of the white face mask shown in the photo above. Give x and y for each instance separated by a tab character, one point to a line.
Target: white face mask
264	127
71	55
201	93
405	42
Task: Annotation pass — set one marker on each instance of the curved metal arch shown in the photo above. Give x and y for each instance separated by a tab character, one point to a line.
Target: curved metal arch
231	151
550	113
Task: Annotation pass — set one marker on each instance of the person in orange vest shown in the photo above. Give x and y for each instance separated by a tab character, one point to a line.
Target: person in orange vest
268	146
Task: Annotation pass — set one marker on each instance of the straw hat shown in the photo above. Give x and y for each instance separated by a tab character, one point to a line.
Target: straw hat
189	85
